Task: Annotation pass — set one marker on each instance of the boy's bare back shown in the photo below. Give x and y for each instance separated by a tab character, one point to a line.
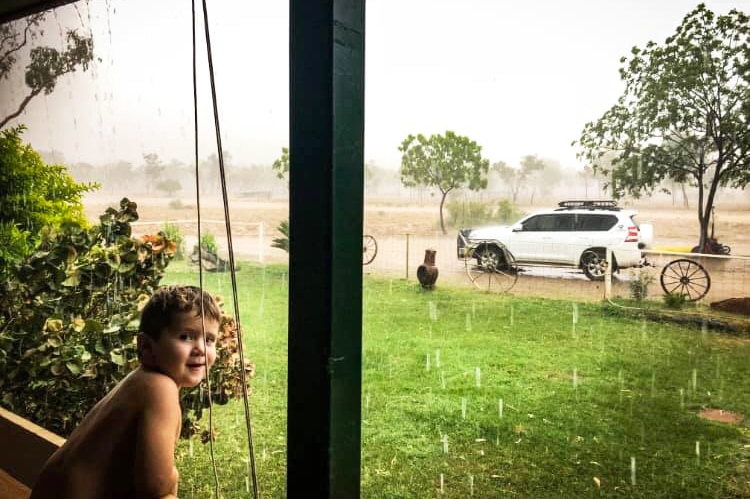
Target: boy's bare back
123	448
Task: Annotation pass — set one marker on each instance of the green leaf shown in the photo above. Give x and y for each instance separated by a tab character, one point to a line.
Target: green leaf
117	357
73	368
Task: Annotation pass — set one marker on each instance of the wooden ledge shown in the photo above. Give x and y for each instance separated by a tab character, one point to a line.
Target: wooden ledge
26	447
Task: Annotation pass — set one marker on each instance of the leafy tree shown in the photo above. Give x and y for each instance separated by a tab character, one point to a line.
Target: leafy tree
685	113
46	64
517	178
33	195
153	168
281	165
446	162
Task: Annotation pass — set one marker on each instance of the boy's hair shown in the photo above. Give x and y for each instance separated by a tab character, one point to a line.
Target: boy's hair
169	301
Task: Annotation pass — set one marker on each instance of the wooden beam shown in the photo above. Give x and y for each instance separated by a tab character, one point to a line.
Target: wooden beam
326	186
38	444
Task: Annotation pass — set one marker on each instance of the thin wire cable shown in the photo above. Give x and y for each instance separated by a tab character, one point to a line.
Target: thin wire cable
200	264
222	176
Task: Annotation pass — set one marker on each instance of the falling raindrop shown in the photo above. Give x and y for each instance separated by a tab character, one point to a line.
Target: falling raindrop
433	311
682	398
478	376
442	484
190	447
575	378
437	357
511	315
445	443
468	322
653	384
643	331
390	286
442	379
698	452
500	407
471	485
463	407
473	309
695	379
367	402
427	363
632	470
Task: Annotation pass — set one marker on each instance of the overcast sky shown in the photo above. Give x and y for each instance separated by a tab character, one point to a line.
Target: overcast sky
518	77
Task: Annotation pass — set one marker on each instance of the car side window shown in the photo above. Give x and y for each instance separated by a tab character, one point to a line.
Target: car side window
595	222
549	223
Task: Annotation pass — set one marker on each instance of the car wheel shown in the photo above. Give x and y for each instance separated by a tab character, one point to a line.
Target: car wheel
594	264
489	258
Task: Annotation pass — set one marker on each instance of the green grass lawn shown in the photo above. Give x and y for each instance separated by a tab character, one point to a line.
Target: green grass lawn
588	396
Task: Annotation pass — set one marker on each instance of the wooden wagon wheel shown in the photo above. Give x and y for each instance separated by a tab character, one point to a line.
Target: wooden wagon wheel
685	277
491	269
369	249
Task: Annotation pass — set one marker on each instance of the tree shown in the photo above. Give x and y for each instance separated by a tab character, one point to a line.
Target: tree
281	165
46	64
516	178
685	113
33	195
153	168
447	162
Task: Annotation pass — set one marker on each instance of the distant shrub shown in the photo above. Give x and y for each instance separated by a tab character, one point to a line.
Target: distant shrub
208	243
473	213
463	213
507	212
176	204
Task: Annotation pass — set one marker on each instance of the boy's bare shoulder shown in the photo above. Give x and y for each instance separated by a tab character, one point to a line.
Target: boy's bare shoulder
149	385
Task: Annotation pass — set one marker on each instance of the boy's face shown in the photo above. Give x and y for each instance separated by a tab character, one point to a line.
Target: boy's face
180	352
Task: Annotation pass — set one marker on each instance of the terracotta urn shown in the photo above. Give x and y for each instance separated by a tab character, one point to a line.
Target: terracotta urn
427	273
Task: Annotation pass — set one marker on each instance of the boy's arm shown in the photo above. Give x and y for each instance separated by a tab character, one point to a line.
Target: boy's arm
155	473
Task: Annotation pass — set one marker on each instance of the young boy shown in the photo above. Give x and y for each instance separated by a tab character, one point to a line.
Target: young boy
124	447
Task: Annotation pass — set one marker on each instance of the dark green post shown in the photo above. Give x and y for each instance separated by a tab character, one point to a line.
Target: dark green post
326	186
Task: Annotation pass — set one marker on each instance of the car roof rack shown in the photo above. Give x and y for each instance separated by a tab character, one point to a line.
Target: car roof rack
605	204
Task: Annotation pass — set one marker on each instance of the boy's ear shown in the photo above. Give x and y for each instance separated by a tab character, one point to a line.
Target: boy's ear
145	346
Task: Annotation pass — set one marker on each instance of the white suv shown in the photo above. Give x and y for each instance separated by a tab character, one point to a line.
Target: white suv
576	234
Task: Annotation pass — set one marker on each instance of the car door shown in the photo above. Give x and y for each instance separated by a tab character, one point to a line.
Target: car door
533	240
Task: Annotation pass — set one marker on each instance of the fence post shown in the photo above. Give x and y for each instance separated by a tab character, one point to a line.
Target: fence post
608	275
